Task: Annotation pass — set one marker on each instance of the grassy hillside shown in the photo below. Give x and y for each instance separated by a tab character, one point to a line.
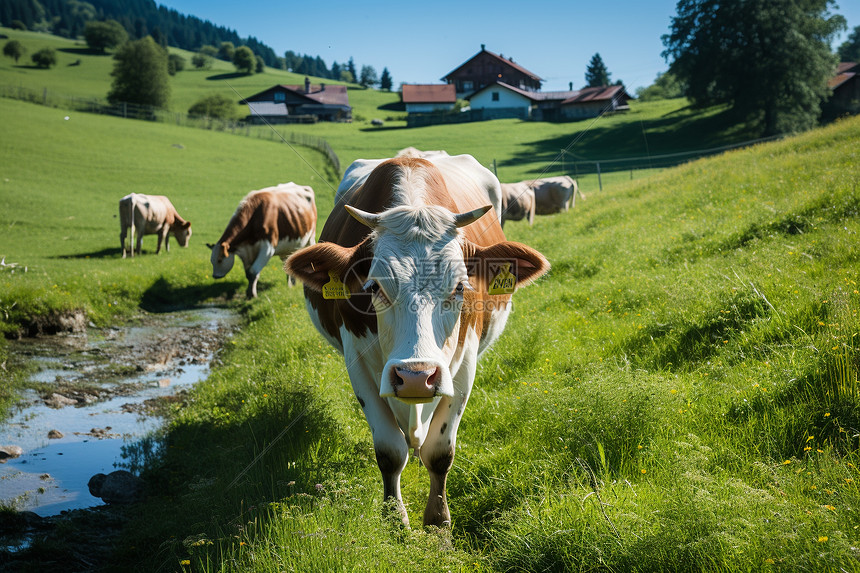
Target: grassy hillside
679	394
519	150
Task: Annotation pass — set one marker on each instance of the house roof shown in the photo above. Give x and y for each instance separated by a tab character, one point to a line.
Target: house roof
319	93
585	95
501	59
267	108
429	93
844	72
601	93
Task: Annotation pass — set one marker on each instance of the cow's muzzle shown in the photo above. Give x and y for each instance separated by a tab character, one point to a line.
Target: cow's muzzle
413	383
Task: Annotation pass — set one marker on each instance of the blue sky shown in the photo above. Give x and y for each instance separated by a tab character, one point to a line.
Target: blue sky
419	42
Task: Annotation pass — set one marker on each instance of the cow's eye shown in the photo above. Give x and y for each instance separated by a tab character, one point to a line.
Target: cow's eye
371	287
458	290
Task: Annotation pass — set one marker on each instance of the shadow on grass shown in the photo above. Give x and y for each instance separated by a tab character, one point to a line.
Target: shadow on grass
604	141
227	76
165	297
84	51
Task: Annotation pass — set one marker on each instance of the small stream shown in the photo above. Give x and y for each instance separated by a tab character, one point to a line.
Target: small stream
97	400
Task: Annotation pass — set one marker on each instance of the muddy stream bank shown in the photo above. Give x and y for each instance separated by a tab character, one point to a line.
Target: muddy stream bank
96	396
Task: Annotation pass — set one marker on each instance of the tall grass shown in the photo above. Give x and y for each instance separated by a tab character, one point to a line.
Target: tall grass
679	394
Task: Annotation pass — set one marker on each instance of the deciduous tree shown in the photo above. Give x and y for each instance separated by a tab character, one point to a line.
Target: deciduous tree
768	59
45	58
215	105
101	36
140	74
368	76
244	60
14	49
849	50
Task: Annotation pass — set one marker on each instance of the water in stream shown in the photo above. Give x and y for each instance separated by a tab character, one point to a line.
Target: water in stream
106	378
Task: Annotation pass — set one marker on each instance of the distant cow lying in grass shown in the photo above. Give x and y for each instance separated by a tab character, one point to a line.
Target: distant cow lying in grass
272	221
150	215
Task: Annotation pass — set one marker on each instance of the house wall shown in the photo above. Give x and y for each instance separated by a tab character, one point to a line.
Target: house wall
506	99
428	107
485	69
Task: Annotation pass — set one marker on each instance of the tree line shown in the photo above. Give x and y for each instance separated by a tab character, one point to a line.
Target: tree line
168	27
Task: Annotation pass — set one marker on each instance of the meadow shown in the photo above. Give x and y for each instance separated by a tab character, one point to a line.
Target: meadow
680	393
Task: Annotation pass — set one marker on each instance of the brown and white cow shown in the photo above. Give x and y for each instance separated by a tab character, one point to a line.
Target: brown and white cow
272	221
518	202
555	194
409	244
150	215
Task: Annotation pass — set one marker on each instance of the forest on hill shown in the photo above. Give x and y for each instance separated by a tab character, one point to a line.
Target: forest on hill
140	18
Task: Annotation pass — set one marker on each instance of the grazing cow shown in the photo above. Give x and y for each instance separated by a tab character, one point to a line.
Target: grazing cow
272	221
518	202
555	194
150	215
400	285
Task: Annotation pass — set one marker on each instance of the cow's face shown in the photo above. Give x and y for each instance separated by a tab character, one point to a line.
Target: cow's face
417	279
221	259
182	232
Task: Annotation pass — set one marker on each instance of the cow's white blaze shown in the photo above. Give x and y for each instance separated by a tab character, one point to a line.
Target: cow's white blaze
416	270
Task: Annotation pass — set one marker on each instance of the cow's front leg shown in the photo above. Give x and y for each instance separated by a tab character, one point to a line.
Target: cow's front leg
437	454
264	253
437	451
389	442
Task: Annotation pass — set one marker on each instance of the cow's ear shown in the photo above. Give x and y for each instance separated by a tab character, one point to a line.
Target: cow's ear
314	265
525	263
186	224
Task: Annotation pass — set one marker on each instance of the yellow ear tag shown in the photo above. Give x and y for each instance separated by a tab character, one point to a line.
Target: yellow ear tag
335	289
505	282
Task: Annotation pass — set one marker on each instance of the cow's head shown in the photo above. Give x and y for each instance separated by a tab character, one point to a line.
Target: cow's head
424	278
221	259
182	232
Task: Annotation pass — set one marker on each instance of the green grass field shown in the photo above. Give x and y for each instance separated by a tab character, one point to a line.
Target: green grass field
680	393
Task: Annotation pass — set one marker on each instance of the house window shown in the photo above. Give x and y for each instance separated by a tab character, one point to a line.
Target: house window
495	96
280	96
467	85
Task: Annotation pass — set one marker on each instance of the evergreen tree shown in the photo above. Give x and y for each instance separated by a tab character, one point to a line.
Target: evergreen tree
385	81
335	71
596	74
140	74
849	51
769	59
350	67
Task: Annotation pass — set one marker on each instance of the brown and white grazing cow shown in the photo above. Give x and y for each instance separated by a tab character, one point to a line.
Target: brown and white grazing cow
400	285
555	194
518	202
272	221
150	215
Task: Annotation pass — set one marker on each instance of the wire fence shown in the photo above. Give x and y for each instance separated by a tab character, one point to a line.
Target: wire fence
125	110
578	166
